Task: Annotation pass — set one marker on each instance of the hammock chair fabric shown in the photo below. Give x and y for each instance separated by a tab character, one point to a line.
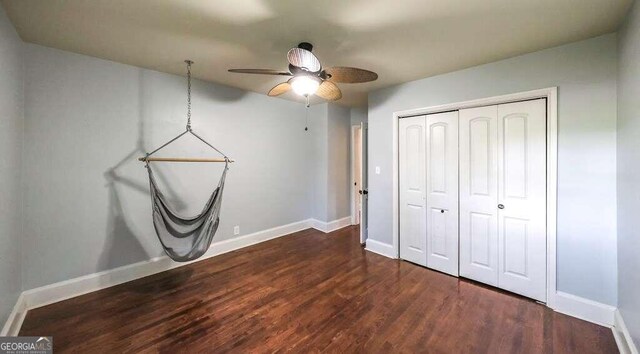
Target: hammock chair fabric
185	239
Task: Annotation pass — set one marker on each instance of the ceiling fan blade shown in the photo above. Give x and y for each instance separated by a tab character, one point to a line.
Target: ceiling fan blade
261	71
304	59
350	75
329	91
279	89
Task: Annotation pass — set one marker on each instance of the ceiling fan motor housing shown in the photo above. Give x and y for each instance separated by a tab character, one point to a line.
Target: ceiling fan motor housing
306	46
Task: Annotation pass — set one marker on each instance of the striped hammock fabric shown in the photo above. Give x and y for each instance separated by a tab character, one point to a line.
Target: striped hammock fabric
185	239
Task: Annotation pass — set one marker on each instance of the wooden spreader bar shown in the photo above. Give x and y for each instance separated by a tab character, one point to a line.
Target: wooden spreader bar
180	159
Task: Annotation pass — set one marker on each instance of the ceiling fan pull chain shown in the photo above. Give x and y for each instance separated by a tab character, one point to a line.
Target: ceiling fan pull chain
189	62
306	114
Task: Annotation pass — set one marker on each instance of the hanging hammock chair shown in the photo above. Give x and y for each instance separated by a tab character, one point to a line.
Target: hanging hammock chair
185	238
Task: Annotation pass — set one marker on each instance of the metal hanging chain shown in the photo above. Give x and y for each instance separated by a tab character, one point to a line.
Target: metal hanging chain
189	62
306	114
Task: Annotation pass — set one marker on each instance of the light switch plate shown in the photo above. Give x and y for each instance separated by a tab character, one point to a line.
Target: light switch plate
377	170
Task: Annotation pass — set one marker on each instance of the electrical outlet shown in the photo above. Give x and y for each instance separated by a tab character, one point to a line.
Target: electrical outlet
236	230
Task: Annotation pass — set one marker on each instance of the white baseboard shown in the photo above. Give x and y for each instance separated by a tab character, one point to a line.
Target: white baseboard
380	248
16	317
568	304
622	335
331	225
584	309
49	294
67	289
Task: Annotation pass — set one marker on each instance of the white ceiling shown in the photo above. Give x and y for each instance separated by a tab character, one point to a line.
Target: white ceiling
401	40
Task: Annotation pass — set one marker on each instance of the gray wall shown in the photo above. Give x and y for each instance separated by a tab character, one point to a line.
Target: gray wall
318	135
585	73
86	196
629	172
339	139
329	130
11	133
358	115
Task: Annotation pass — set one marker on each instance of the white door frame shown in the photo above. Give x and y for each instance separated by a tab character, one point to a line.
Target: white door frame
354	212
551	94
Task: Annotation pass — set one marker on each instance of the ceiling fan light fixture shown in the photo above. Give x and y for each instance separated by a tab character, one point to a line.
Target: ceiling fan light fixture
308	78
305	85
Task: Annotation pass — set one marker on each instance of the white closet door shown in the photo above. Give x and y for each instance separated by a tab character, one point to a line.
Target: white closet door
412	190
522	198
442	192
479	194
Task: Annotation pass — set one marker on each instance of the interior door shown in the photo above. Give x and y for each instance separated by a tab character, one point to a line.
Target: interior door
442	191
478	135
413	240
522	198
364	192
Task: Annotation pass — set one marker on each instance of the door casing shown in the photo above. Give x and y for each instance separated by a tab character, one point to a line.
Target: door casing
364	201
356	172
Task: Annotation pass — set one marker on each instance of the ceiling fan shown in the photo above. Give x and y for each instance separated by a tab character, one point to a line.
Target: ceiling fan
309	78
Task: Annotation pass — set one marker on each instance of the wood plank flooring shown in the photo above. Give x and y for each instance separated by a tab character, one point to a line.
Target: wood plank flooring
309	292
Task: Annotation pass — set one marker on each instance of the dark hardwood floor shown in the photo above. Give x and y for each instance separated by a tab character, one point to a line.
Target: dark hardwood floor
309	292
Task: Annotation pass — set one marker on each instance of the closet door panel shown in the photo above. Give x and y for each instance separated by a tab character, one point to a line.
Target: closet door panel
413	223
478	145
522	196
442	192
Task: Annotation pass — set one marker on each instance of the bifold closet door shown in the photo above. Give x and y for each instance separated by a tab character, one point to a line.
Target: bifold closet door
479	194
503	196
522	189
412	185
442	192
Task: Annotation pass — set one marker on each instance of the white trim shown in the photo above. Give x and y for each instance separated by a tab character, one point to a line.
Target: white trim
551	94
380	248
67	289
552	193
622	335
568	304
395	195
584	309
352	193
16	317
330	226
49	294
352	176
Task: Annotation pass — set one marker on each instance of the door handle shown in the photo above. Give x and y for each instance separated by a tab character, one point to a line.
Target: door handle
500	206
442	211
